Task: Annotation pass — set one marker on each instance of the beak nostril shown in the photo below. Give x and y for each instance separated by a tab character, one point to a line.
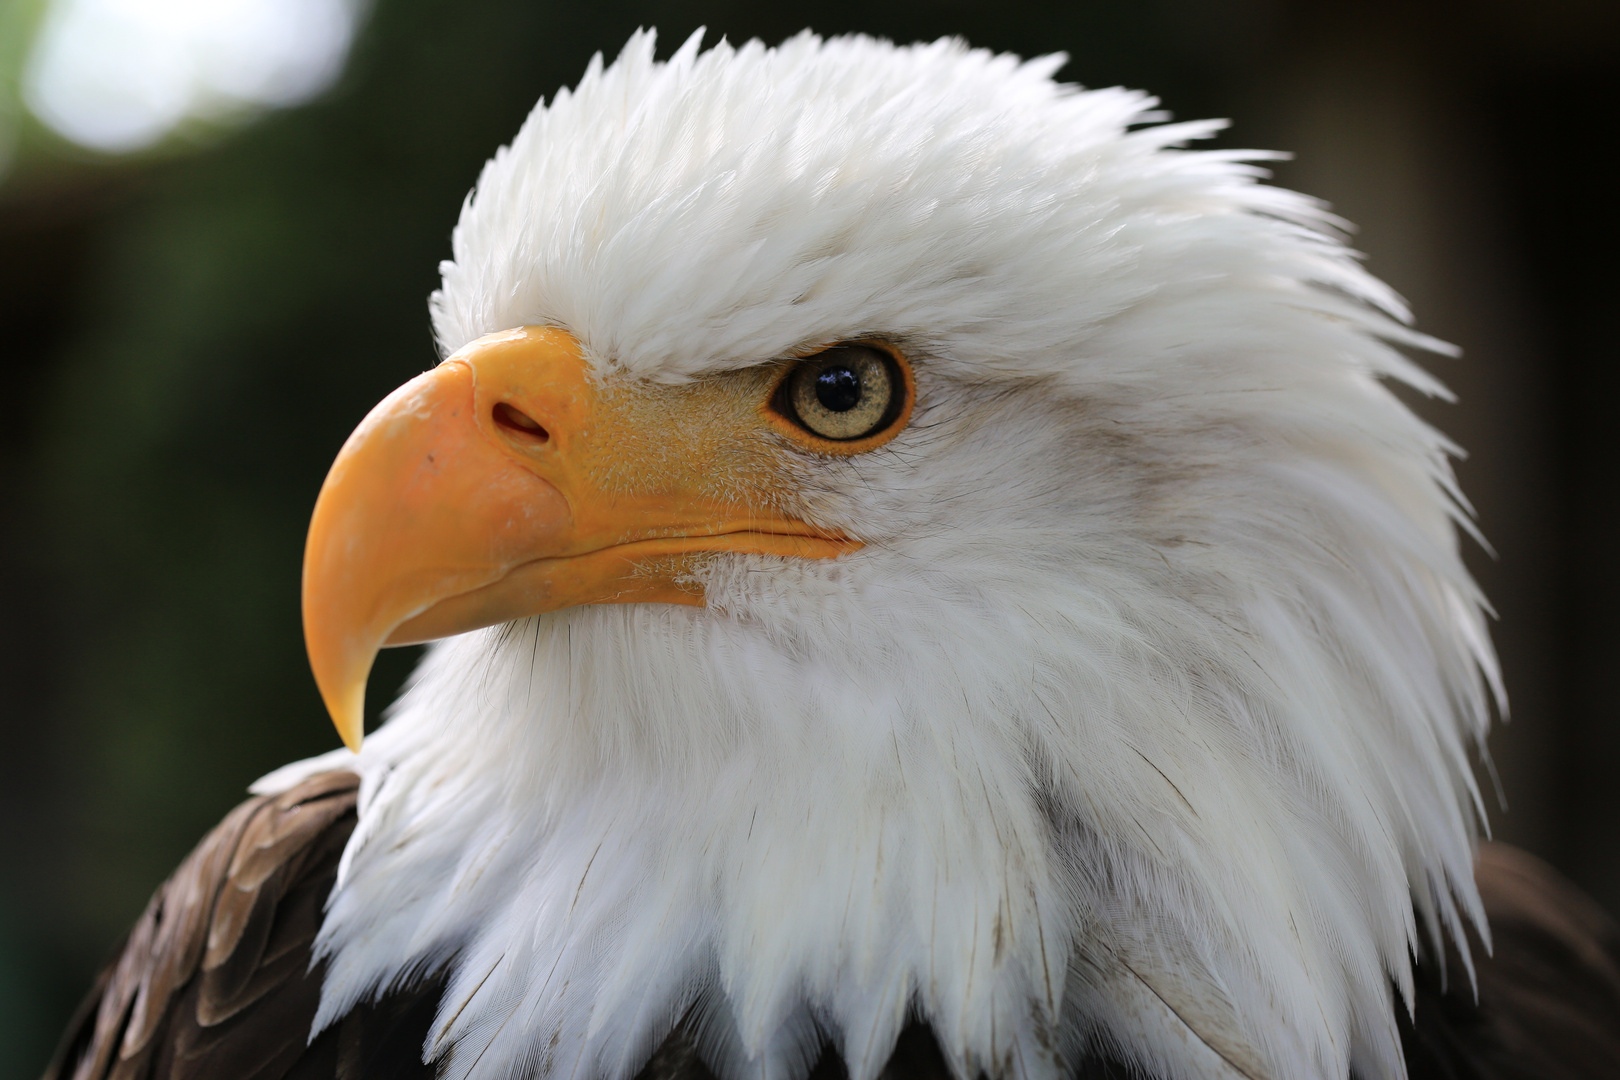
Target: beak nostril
520	423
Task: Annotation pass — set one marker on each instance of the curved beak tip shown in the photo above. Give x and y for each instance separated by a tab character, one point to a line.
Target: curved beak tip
348	716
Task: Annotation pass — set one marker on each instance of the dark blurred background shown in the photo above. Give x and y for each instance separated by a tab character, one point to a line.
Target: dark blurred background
196	305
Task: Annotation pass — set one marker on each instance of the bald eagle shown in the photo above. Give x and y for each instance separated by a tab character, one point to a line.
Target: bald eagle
930	580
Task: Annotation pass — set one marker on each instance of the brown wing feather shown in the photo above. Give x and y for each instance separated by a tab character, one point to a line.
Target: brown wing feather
214	980
1549	992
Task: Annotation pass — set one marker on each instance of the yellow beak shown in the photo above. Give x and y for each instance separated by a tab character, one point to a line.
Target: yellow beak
502	484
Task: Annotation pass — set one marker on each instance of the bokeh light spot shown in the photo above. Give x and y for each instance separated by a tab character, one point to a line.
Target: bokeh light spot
119	75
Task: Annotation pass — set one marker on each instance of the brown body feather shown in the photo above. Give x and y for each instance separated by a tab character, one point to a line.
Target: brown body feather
215	981
1549	993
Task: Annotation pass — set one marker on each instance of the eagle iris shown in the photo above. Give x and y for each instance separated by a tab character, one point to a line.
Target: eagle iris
846	392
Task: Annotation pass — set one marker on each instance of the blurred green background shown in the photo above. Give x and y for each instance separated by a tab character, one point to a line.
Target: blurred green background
190	327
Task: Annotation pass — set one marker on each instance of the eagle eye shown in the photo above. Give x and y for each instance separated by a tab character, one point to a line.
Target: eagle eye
849	394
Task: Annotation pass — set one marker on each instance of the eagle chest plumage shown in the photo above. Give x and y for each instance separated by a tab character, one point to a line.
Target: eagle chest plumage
930	581
217	979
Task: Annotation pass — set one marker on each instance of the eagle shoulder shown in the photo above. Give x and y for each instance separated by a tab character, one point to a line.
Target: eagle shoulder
215	977
1548	1005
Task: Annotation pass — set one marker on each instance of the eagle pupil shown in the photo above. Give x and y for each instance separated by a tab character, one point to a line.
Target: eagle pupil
838	389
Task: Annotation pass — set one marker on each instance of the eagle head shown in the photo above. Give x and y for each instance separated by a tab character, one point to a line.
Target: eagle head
911	540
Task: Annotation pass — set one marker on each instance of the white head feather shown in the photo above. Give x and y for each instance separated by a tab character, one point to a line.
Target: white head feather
1142	720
